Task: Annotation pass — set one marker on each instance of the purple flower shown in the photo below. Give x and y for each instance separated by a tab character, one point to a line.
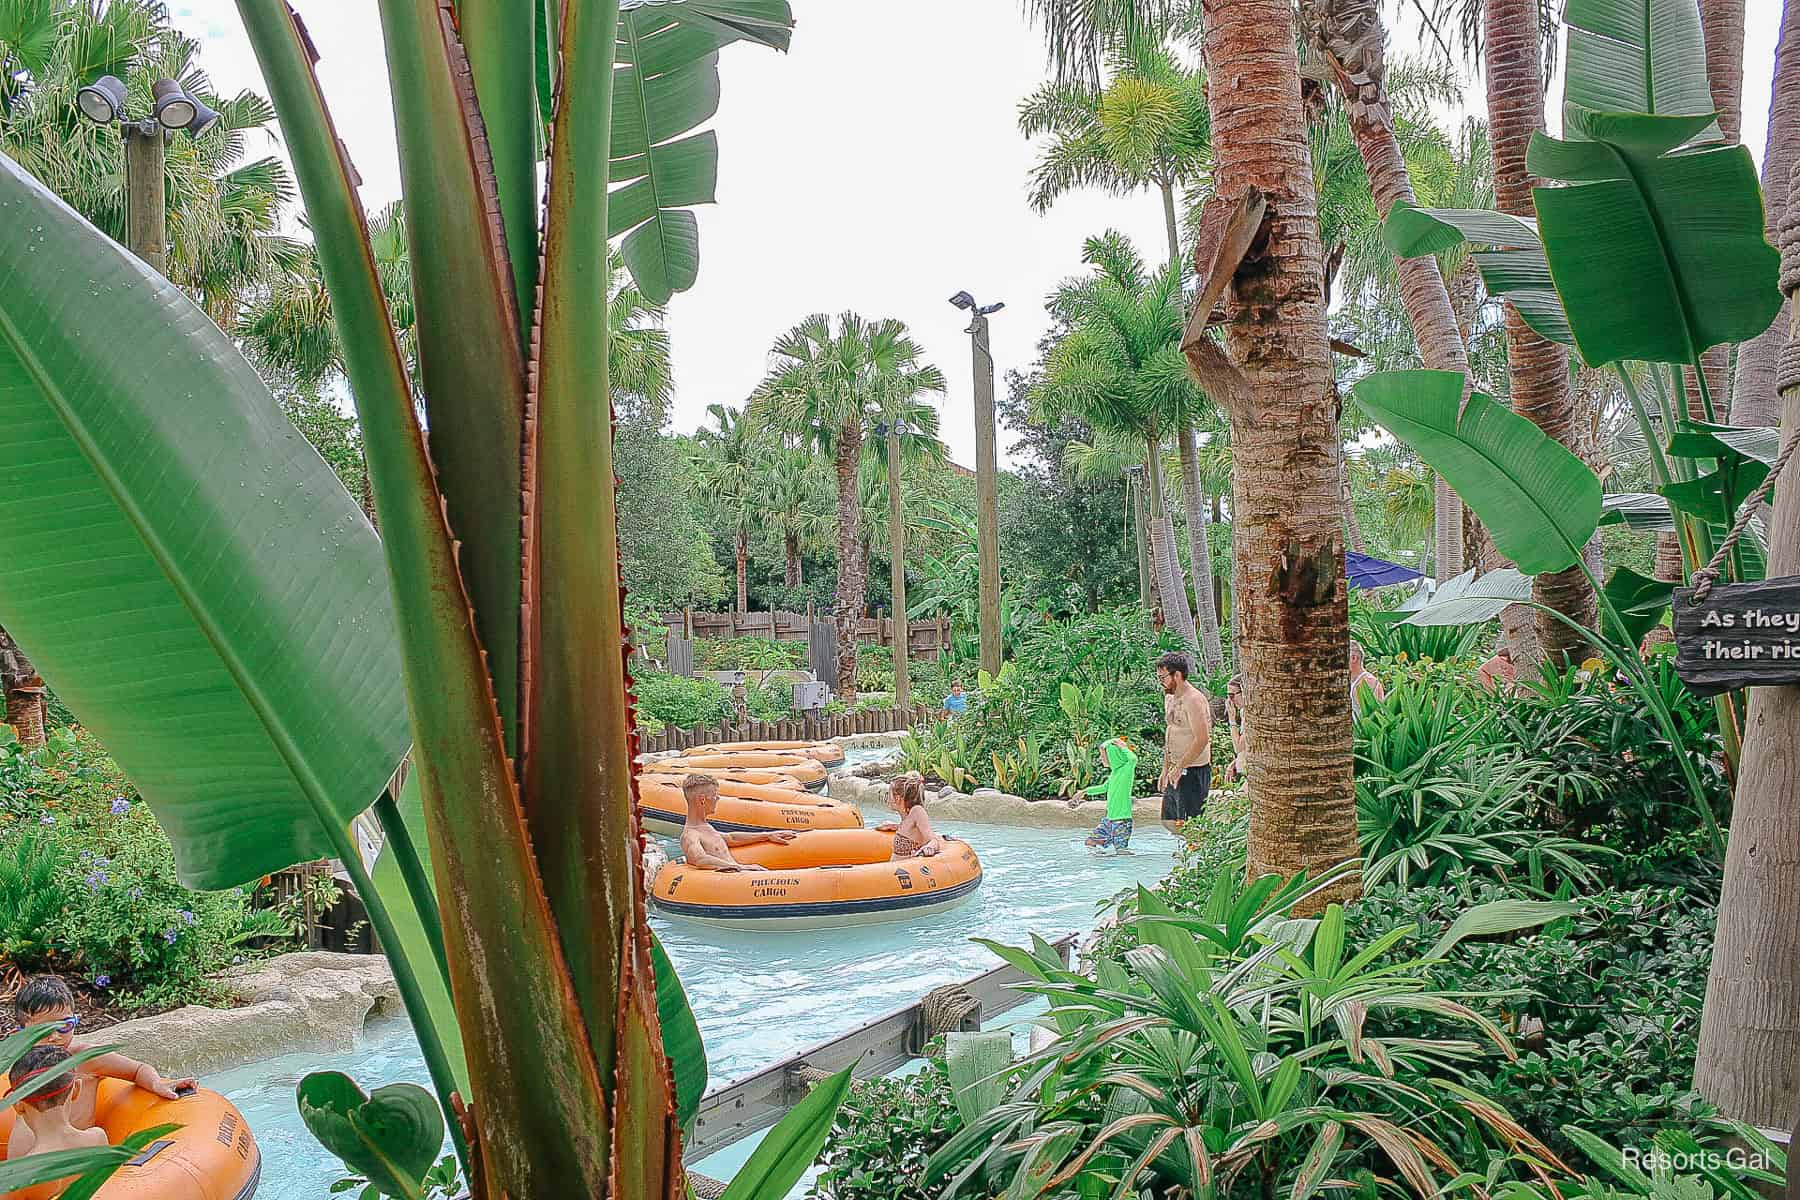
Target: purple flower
169	936
46	819
187	916
103	981
120	806
96	880
137	893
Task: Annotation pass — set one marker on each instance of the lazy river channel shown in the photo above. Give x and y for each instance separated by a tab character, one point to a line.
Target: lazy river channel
762	996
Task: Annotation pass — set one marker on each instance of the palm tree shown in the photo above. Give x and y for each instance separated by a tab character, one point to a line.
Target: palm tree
290	331
1754	400
1147	127
1274	380
1350	38
223	212
1081	35
792	493
1541	387
832	387
1120	371
730	451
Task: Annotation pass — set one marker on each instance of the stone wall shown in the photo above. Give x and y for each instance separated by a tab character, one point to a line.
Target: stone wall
314	1001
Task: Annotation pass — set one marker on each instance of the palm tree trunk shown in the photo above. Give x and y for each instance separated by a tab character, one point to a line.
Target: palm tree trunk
790	545
1165	556
1753	397
852	579
1351	525
897	572
1541	389
743	571
1135	495
1352	36
1749	1055
1199	553
1168	199
1722	24
1465	299
23	694
1288	594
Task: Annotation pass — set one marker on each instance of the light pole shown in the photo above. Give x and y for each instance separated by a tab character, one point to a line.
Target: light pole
172	108
897	566
987	503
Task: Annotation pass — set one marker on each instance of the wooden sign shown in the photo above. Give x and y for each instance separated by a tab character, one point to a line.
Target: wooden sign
1741	635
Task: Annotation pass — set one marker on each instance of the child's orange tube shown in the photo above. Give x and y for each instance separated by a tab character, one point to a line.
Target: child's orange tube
212	1156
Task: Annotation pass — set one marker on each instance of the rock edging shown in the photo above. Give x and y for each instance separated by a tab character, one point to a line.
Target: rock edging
312	1001
987	806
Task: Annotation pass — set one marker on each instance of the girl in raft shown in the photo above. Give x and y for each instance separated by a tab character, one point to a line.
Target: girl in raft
913	834
1114	831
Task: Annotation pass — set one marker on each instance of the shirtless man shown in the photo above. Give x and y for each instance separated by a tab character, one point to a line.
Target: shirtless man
706	847
1187	744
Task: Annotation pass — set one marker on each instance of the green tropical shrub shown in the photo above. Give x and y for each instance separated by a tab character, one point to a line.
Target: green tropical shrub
1236	1050
674	700
1604	1007
748	654
88	885
884	1134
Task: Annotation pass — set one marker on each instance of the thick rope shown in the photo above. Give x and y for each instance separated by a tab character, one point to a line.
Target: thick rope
1708	575
946	1009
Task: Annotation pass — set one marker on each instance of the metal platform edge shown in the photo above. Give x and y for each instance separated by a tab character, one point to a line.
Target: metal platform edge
878	1047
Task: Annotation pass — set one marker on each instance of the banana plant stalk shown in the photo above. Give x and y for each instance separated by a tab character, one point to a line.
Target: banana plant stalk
501	554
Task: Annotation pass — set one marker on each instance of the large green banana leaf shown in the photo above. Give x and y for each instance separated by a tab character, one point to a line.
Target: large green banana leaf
178	561
1513	267
1476	601
1539	502
667	86
1657	254
1634	56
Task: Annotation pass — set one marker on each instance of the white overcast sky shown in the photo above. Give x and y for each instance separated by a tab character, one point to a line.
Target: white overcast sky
877	167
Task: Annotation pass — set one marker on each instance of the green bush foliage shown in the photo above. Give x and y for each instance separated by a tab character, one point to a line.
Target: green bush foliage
88	886
884	1134
1070	685
748	654
674	700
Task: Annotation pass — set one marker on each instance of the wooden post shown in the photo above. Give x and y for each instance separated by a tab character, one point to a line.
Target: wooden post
146	224
987	502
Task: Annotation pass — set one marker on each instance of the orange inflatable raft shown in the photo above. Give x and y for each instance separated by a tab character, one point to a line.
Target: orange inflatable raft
825	877
828	754
743	807
213	1156
807	772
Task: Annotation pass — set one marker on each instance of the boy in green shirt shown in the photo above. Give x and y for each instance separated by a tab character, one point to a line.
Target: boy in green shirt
1114	831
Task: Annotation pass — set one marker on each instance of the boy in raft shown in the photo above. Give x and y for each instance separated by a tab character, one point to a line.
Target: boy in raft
47	1000
913	835
1114	830
706	847
49	1116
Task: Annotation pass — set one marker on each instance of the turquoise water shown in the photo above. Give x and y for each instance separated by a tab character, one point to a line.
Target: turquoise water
762	996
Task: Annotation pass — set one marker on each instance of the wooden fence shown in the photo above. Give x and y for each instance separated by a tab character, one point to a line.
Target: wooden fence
925	639
799	728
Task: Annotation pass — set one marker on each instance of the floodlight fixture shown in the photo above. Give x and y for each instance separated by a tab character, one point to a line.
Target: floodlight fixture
172	107
102	101
963	300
